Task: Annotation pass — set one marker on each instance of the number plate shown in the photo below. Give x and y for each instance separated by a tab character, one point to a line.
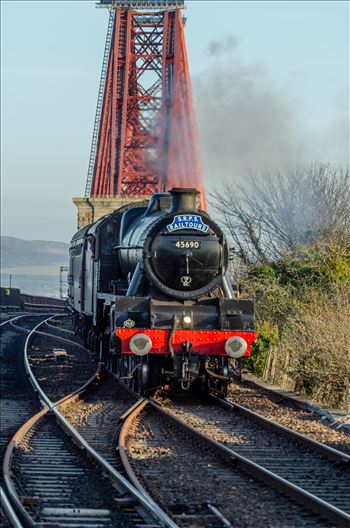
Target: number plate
187	244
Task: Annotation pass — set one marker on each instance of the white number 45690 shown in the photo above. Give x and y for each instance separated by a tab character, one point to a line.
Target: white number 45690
186	244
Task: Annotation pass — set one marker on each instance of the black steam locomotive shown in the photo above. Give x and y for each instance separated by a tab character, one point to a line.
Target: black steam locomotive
151	295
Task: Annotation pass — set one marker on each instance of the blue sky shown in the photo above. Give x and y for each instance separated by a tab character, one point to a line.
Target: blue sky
278	66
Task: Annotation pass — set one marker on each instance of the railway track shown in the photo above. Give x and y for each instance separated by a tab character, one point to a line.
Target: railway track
58	484
292	475
204	462
18	403
107	404
283	410
60	364
100	409
56	324
54	477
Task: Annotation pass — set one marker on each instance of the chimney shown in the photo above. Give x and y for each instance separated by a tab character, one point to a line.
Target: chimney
183	200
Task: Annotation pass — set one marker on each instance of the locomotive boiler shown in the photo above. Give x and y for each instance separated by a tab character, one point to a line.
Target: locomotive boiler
152	297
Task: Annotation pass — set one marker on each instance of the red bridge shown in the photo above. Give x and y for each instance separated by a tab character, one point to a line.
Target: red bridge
145	137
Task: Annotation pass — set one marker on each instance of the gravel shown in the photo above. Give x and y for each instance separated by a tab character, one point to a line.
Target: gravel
18	399
306	422
182	476
59	372
271	449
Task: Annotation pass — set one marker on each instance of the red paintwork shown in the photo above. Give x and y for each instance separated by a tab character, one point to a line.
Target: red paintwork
147	140
210	342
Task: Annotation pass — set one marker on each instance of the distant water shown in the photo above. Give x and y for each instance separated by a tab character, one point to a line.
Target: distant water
48	286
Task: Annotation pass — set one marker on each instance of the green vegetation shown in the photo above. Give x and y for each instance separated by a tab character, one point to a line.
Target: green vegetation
302	312
290	230
267	339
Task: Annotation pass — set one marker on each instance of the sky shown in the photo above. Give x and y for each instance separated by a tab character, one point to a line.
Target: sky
270	83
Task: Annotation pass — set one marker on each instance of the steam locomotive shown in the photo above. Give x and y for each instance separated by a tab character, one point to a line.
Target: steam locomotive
152	297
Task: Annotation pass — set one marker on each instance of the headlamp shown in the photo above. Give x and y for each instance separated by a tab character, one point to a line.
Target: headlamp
140	344
236	347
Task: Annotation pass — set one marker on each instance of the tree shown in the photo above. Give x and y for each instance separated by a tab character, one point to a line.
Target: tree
274	212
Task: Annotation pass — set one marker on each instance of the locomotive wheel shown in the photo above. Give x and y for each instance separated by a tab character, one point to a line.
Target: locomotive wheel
224	388
215	385
146	376
146	372
237	369
224	367
127	371
143	376
155	373
140	378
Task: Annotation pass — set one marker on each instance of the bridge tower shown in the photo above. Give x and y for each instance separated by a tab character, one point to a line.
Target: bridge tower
144	138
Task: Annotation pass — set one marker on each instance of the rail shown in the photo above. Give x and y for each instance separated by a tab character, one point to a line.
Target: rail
8	511
53	407
314	503
11	319
128	419
327	451
60	329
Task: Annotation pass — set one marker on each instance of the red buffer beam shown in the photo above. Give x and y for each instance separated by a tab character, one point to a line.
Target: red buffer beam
147	139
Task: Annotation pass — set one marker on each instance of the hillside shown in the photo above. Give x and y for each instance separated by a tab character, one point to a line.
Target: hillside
33	257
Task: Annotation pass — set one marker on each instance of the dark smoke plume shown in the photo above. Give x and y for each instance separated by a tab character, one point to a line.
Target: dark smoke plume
243	120
221	47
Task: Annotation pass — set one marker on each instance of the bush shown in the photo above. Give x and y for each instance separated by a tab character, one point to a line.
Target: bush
318	341
266	340
302	308
290	230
